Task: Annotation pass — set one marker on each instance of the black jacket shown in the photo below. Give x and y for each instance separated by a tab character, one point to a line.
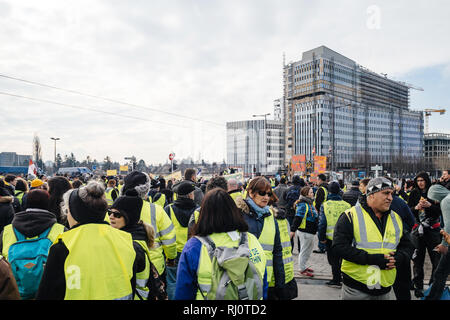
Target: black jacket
183	209
6	211
433	213
320	196
352	195
343	247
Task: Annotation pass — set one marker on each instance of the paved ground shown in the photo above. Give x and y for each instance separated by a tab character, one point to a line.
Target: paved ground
315	288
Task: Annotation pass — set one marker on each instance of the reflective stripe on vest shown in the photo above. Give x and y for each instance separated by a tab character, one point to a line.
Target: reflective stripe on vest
155	216
108	276
288	261
142	277
367	237
223	240
267	240
9	237
332	210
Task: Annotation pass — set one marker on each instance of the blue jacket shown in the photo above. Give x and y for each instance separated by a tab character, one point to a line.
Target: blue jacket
322	231
311	217
186	286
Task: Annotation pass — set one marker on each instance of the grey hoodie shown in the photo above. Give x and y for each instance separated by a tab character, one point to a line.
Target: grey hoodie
442	194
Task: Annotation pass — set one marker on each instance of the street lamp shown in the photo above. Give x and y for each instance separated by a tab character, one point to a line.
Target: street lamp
55	139
257	143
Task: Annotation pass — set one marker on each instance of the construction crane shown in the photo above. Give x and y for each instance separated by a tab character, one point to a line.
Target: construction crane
411	86
427	114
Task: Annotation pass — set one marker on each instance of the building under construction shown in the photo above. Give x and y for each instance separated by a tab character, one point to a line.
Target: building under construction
357	118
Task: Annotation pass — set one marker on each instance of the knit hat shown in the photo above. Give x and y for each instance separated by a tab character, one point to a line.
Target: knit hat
136	184
82	212
130	207
36	183
297	180
185	188
378	184
334	187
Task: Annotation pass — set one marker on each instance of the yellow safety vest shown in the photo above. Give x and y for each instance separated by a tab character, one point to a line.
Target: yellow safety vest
108	195
302	225
99	265
143	277
288	261
267	240
180	231
161	200
165	237
224	240
9	237
236	194
19	195
324	198
333	210
367	237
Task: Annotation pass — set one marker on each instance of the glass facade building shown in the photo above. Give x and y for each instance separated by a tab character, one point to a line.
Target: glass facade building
341	110
255	145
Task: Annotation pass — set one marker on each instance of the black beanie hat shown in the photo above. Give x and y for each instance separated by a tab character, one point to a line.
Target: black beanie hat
82	212
137	184
130	207
334	187
185	188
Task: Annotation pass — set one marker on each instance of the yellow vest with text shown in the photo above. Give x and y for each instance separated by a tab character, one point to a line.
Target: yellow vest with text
204	268
9	237
180	231
165	237
367	237
288	261
99	265
333	210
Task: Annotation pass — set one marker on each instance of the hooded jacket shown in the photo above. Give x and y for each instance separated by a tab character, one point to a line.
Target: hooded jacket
433	213
442	194
183	209
352	195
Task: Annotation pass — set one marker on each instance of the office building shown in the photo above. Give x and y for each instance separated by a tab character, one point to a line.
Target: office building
255	146
437	150
357	118
13	159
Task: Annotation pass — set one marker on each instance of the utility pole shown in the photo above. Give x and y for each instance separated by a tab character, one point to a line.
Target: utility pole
55	139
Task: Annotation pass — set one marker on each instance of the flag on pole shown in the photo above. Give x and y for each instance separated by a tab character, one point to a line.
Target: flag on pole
199	172
32	168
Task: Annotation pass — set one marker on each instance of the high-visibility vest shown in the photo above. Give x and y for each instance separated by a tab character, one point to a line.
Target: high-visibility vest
324	198
236	194
333	210
367	237
108	276
161	200
143	276
120	187
180	231
272	183
19	195
204	268
165	238
9	237
288	261
108	195
302	225
267	240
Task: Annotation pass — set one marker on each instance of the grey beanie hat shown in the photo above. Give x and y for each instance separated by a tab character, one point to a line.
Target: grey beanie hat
378	184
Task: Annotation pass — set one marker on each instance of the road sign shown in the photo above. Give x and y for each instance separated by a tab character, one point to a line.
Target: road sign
376	168
171	156
94	167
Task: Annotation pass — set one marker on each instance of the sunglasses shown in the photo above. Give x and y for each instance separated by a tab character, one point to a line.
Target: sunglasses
116	214
263	193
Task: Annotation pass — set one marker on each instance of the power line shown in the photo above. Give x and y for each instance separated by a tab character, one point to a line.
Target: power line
108	99
88	109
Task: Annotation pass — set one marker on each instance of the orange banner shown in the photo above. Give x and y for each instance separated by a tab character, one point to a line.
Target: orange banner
298	163
320	164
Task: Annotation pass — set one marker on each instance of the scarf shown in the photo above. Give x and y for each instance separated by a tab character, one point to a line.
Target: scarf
259	211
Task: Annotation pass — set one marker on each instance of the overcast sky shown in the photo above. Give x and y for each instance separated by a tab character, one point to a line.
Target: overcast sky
217	61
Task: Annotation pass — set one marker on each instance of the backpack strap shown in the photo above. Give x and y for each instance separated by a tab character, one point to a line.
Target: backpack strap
209	244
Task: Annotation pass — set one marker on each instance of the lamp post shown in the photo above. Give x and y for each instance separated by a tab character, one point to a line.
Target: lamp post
55	139
257	145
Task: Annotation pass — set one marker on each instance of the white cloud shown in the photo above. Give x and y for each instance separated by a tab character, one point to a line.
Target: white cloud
220	60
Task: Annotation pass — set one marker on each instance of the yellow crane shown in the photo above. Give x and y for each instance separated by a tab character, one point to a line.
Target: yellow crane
427	114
